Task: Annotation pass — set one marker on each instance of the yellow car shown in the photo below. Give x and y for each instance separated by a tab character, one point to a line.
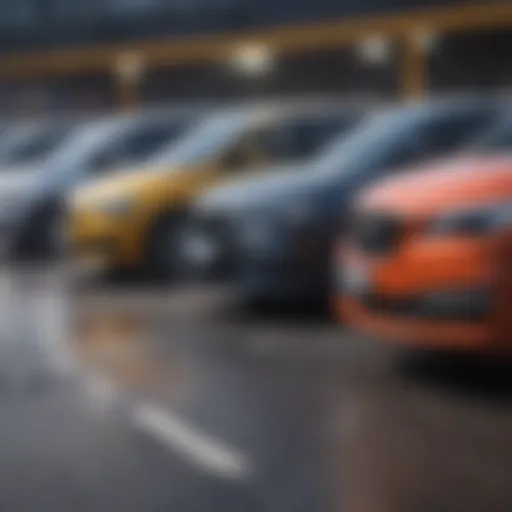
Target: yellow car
130	219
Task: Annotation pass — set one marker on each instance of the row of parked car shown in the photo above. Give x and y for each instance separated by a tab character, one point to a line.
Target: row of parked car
399	216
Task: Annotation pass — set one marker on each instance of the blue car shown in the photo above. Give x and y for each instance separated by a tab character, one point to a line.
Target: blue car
273	234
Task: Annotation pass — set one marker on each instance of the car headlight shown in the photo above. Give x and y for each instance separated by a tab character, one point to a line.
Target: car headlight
118	207
474	222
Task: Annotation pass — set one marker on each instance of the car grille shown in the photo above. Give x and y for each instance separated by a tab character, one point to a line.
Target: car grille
413	307
400	306
377	233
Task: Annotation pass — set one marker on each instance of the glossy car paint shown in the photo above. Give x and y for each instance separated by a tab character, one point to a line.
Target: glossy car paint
425	263
303	208
158	190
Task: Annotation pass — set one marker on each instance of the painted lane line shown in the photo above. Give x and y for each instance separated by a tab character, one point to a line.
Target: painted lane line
199	448
101	391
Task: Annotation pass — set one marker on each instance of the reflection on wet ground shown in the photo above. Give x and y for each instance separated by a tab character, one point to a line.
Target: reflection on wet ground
117	346
277	412
385	432
413	444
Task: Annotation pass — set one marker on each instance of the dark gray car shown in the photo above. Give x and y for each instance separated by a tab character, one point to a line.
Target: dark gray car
274	233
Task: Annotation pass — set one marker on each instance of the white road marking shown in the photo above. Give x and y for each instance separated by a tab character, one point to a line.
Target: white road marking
47	308
199	448
101	391
174	433
54	318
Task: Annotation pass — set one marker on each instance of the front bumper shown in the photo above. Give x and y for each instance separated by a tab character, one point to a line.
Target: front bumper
471	305
108	242
433	294
416	331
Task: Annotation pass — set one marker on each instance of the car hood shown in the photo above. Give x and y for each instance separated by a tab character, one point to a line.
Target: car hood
449	183
128	183
272	186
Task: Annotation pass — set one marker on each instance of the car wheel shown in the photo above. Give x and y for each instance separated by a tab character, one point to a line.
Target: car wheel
55	238
163	260
43	239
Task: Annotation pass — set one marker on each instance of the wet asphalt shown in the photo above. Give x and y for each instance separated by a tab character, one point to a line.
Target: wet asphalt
131	396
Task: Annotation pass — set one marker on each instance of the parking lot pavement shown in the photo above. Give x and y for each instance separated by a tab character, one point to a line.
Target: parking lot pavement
59	449
154	399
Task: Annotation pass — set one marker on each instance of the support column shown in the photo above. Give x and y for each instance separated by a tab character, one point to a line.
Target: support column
128	75
414	68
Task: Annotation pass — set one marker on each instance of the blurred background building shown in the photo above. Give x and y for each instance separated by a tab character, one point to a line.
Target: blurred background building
77	55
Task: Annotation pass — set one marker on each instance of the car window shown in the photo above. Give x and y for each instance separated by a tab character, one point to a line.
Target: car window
244	153
437	136
297	138
282	141
398	138
33	147
373	140
413	146
204	140
136	145
498	137
144	142
446	134
107	158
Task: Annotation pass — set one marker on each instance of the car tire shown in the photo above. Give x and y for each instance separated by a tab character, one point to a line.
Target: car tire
54	241
162	254
43	239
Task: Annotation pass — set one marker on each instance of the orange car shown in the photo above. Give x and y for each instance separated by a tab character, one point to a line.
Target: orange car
428	261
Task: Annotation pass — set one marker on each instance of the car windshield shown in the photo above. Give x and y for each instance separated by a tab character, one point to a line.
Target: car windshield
499	137
28	145
151	140
83	142
203	141
96	137
340	154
